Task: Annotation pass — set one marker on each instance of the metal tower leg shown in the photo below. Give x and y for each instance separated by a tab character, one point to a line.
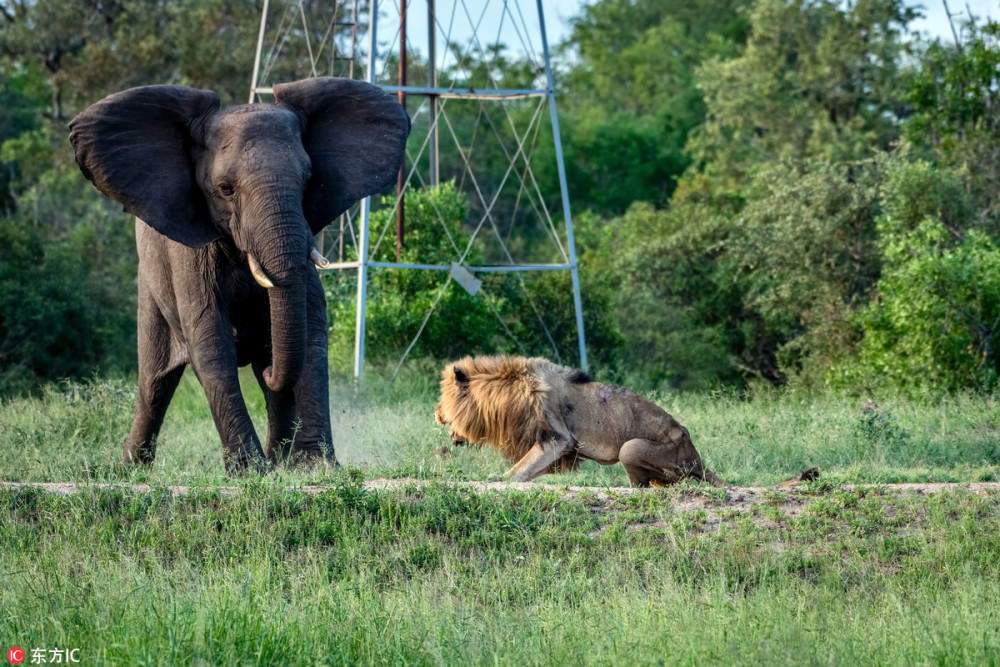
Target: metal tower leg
435	94
564	190
260	47
366	206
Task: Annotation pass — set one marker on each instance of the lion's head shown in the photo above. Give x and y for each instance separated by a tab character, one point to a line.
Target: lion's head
454	387
492	400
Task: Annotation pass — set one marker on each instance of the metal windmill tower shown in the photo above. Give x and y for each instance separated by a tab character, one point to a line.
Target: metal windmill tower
465	40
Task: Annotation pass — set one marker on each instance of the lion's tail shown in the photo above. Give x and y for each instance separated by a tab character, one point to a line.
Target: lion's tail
713	479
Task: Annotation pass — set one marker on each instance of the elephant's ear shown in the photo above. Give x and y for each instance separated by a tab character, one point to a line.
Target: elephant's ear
355	135
136	148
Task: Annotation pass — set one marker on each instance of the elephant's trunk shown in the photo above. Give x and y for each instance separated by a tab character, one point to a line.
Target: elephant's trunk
288	335
283	262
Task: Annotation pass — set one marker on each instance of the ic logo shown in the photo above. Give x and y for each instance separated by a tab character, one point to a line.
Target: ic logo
15	655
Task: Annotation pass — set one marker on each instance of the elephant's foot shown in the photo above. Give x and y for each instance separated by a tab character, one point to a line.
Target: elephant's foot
244	463
311	457
139	454
301	447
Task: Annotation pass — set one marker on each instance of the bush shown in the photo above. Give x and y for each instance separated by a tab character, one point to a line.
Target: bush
513	314
57	319
936	318
676	307
399	300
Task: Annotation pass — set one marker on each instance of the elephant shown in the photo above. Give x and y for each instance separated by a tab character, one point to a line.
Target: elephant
227	202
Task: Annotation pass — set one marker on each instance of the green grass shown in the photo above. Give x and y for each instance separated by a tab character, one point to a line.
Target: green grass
75	432
445	576
442	575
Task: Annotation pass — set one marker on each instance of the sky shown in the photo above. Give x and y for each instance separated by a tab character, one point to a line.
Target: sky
935	21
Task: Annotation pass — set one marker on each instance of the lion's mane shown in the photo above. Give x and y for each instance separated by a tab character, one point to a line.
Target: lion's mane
501	401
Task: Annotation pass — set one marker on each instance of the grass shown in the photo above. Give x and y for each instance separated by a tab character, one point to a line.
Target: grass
75	432
443	575
439	575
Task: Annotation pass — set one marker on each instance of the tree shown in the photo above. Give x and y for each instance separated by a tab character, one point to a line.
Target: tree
630	98
58	318
936	320
91	49
956	114
817	81
774	222
678	313
804	253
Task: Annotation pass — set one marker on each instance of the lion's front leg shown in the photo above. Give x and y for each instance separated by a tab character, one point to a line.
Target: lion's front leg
539	460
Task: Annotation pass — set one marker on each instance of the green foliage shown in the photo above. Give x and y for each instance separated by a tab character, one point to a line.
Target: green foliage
89	50
630	99
955	116
67	266
673	305
937	317
510	313
56	319
770	249
614	161
547	322
804	253
768	246
19	92
817	80
31	154
400	300
720	288
879	427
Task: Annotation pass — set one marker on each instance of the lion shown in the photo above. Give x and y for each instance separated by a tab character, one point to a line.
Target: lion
544	418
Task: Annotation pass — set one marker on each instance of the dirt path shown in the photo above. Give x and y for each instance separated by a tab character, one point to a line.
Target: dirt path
788	499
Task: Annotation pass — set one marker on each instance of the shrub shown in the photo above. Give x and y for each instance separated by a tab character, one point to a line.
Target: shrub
57	319
399	300
936	317
531	315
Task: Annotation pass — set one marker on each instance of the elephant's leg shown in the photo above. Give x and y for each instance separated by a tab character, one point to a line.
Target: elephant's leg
159	374
650	462
280	418
214	362
312	391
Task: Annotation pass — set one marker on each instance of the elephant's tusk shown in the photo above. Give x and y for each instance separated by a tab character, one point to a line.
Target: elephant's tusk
318	259
258	273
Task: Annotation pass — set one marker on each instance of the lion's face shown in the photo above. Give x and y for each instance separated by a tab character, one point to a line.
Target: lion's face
454	388
439	415
441	418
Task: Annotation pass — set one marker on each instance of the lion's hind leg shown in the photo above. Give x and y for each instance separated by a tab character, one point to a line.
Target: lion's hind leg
648	462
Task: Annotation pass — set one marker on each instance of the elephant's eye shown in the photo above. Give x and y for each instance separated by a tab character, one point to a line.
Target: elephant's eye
226	189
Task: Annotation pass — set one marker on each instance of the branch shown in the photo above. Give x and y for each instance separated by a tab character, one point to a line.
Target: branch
951	24
8	13
983	329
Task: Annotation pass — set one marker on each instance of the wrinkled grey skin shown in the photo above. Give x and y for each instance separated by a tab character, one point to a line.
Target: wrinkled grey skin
209	188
